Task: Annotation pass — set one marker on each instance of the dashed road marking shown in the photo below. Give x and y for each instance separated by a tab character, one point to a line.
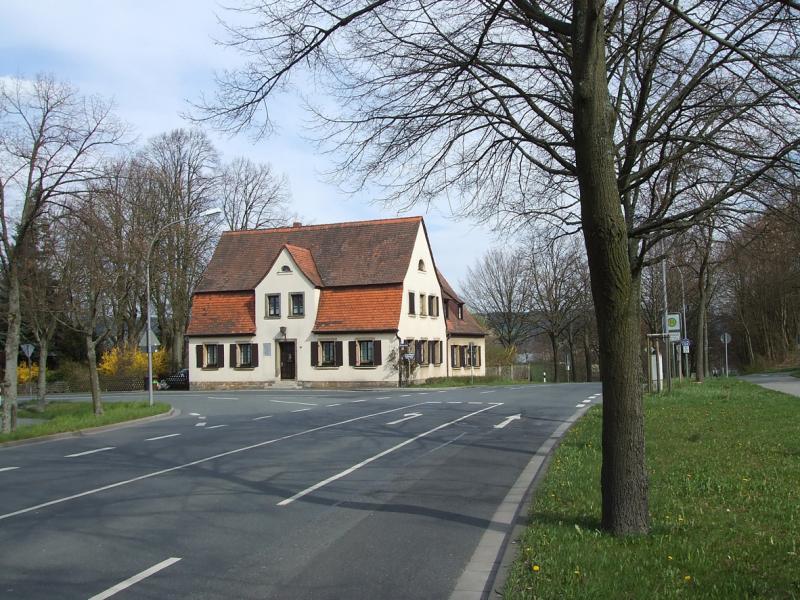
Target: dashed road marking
216	426
77	454
221	398
337	404
356	401
264	417
289	402
474	402
383	398
301	409
7	469
200	424
135	579
162	437
455	402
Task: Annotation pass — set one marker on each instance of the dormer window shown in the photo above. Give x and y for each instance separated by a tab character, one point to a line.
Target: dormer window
286	269
421	265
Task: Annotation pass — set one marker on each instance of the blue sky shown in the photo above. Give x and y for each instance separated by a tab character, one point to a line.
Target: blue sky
151	57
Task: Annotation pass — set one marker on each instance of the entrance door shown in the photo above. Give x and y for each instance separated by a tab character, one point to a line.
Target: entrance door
288	368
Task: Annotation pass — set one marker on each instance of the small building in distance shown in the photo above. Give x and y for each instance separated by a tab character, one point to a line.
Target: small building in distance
337	305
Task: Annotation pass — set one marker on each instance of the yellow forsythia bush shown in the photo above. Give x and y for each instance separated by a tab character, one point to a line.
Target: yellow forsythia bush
24	375
129	361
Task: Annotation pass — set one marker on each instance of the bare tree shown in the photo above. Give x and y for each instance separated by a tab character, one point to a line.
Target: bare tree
589	114
497	288
183	164
554	268
51	142
252	195
91	275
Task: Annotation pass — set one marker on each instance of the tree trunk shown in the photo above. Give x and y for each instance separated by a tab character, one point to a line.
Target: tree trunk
572	371
94	379
13	318
615	286
554	346
587	354
41	392
177	350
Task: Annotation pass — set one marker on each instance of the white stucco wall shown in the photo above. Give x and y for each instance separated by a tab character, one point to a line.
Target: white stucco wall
417	326
466	341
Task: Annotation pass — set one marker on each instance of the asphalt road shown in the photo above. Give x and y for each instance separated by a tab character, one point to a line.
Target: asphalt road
280	494
780	382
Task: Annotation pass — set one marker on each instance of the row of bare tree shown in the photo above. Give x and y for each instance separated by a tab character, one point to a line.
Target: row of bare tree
79	206
540	287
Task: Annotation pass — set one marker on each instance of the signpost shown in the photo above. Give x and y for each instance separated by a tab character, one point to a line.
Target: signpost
725	338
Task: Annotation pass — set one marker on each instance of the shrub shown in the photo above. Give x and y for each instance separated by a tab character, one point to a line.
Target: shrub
26	374
129	361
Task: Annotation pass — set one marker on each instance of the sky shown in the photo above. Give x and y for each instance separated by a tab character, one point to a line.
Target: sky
152	57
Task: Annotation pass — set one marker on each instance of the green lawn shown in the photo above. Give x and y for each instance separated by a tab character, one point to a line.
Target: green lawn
724	464
72	416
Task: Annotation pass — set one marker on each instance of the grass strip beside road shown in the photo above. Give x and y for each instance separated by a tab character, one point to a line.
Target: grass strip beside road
724	465
61	417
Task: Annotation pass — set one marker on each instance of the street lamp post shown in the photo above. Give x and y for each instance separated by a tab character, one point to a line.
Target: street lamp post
685	324
210	212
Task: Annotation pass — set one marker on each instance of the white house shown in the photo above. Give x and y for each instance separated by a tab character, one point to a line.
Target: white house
328	305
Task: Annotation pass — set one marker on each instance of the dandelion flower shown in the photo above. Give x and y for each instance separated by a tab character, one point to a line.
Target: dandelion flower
535	568
687	578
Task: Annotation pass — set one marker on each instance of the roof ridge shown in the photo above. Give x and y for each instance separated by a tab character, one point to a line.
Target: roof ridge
326	225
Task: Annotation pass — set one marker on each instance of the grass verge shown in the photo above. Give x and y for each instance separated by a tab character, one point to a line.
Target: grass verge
72	416
724	465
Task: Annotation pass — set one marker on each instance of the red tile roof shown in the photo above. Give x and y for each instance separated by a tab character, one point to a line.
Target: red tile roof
302	257
447	290
468	326
226	313
343	254
372	308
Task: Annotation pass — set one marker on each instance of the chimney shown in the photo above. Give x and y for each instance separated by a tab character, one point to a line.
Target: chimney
297	224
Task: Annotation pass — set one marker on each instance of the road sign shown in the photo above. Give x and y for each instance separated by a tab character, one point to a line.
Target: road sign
685	344
409	356
725	338
27	350
673	321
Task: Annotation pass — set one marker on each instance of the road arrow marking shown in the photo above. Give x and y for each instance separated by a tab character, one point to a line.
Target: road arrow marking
507	421
406	417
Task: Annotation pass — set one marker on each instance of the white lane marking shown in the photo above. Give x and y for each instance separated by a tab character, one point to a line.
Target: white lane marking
442	392
201	418
587	401
264	417
454	402
383	398
508	420
337	404
433	402
194	414
216	426
7	469
363	463
89	452
162	437
221	398
354	401
440	446
488	392
580	406
135	579
200	424
474	402
301	409
495	403
421	393
404	395
406	417
200	461
289	402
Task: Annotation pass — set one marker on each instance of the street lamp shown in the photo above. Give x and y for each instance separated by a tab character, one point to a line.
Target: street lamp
209	213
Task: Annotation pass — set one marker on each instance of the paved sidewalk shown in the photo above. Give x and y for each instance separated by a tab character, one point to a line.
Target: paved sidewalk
780	382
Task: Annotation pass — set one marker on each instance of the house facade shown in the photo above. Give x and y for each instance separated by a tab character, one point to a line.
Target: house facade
339	305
